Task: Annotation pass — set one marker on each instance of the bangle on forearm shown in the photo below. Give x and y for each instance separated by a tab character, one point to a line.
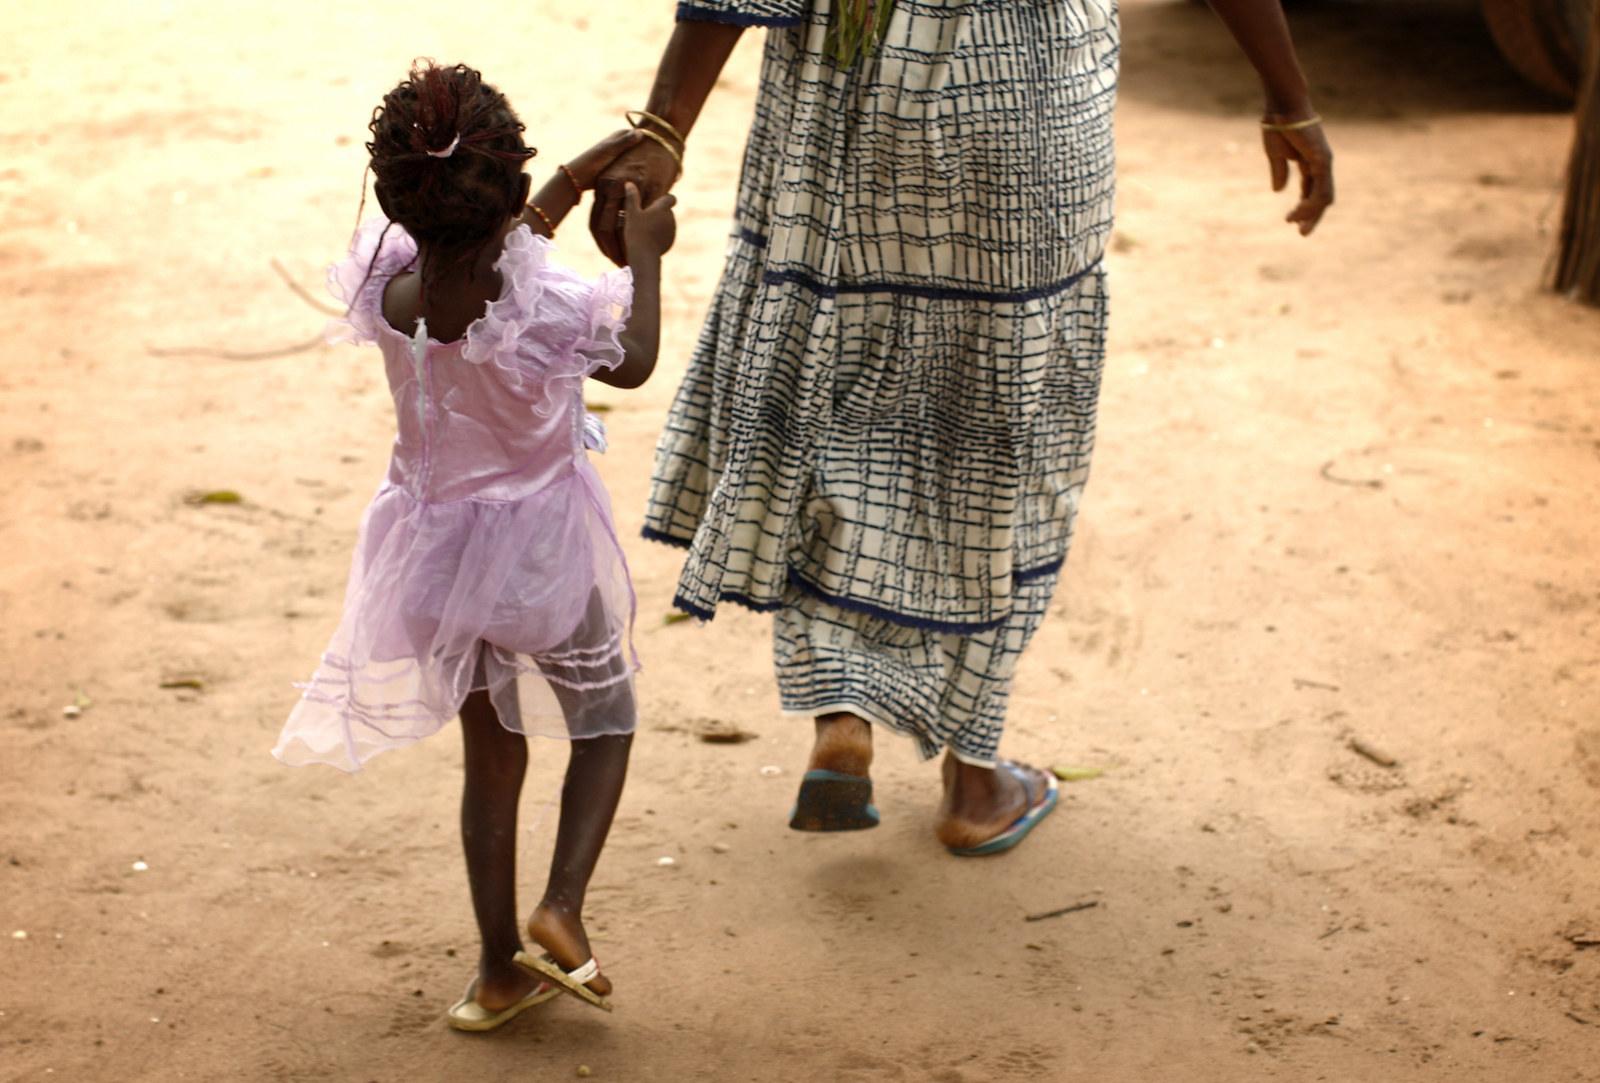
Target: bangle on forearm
576	187
1292	126
658	121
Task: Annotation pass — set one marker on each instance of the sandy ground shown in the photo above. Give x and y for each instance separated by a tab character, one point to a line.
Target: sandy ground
1345	488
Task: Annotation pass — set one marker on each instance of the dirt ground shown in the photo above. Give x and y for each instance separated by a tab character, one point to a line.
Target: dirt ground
1345	489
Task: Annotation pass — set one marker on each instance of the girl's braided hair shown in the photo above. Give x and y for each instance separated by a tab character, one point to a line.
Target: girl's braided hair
453	199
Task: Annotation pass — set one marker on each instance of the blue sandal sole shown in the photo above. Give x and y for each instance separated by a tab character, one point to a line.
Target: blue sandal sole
831	801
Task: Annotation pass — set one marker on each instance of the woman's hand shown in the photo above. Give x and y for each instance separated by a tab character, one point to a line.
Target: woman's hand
588	165
648	167
1309	148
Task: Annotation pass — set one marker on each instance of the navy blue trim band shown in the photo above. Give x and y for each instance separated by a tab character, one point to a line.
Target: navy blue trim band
937	293
1029	574
698	14
690	608
850	604
752	238
750	603
745	600
651	534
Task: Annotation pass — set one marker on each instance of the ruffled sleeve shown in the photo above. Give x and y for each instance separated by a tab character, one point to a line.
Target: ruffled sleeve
378	251
551	328
745	12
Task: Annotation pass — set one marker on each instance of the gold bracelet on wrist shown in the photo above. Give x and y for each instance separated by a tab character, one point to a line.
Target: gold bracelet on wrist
660	122
1292	126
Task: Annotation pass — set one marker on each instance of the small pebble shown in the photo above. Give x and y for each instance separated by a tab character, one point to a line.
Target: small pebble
139	866
769	770
71	710
583	1070
720	847
20	934
665	862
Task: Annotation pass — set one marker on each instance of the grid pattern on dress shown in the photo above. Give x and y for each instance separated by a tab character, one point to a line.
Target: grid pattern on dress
939	689
892	400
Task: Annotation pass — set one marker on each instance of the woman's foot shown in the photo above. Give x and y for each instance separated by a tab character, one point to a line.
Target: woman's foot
982	802
561	933
843	744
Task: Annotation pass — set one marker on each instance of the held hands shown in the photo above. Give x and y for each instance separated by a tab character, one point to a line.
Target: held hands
647	231
651	171
1307	146
587	166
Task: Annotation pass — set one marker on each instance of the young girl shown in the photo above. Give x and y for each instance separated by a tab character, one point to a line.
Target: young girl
488	580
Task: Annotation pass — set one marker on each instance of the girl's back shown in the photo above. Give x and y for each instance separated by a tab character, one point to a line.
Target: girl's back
497	414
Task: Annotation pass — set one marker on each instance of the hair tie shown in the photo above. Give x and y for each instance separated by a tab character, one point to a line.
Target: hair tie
446	152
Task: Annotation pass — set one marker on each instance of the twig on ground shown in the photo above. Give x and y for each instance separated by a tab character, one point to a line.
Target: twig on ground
1073	909
1302	682
1360	483
301	292
1360	747
233	355
1330	932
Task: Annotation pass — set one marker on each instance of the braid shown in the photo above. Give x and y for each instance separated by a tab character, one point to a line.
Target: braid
454	201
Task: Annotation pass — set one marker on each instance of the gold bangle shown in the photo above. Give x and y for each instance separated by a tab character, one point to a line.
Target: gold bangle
1292	126
676	156
545	218
670	130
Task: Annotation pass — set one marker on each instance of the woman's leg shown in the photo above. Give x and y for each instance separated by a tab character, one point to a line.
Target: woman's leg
496	759
979	801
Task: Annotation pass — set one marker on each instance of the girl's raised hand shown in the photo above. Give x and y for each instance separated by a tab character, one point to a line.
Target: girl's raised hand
647	231
649	167
589	165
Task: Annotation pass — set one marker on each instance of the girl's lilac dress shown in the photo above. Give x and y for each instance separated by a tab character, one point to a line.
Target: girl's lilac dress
488	559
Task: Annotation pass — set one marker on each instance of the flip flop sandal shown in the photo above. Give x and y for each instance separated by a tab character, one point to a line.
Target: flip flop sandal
566	981
830	801
1038	809
468	1014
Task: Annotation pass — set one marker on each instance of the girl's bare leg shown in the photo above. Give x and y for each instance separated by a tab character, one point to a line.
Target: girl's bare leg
595	773
496	759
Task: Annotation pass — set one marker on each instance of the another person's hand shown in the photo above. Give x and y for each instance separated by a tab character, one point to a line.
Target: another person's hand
648	230
1308	147
588	165
652	171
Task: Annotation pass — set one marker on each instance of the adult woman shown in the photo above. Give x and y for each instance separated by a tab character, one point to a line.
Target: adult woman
886	425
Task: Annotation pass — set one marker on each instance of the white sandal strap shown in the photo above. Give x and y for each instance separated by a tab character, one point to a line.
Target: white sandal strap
585	973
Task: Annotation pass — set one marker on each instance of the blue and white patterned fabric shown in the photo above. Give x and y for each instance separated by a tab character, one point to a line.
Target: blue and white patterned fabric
892	402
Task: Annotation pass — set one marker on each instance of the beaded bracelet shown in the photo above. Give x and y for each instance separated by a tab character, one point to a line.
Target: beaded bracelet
576	187
545	218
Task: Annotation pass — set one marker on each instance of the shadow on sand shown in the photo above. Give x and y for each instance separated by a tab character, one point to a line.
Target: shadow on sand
1366	59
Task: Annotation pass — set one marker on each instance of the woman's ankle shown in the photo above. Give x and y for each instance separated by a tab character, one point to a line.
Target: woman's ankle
843	744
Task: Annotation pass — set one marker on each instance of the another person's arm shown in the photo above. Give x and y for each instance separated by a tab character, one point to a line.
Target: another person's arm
689	68
1262	32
